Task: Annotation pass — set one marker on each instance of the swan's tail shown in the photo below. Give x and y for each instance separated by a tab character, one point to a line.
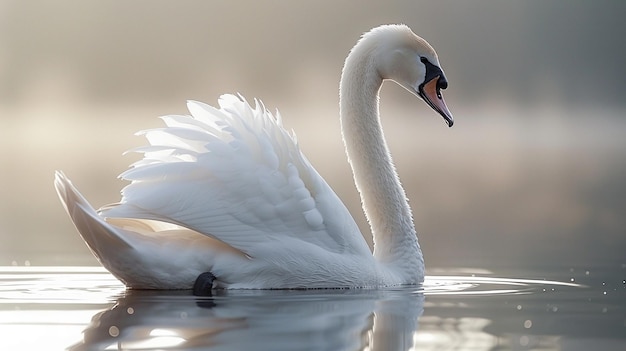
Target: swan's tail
98	234
144	254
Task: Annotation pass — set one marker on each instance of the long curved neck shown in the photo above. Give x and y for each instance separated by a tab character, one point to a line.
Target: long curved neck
384	201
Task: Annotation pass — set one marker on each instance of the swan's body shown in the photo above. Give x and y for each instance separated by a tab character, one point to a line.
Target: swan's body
227	191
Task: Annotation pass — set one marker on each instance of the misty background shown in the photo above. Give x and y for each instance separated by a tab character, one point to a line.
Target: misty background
532	173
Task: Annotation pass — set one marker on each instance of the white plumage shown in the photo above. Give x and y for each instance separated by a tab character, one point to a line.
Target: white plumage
227	190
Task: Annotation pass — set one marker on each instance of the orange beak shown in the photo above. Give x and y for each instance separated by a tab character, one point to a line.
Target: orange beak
431	93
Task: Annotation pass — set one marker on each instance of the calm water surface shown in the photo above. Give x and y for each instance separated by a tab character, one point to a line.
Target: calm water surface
85	308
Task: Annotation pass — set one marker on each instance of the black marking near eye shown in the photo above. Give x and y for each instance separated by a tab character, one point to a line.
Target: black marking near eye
433	71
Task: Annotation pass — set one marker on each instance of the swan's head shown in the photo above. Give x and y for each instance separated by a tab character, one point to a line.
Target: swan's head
410	61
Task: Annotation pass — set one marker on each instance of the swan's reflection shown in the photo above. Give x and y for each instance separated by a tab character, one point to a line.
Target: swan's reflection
258	320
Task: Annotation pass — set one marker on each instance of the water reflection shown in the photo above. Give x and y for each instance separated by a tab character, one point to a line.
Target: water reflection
452	312
268	320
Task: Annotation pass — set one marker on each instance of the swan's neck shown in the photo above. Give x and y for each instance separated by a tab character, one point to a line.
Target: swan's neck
384	201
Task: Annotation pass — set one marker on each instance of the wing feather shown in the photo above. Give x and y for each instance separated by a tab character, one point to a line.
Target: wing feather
237	175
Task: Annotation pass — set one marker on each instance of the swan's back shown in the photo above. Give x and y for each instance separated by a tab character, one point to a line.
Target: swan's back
234	175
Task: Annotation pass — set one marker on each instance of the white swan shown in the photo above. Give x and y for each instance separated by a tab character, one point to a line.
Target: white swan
227	191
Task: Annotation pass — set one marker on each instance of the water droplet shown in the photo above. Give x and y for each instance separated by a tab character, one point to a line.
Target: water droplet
604	293
586	272
13	263
519	307
605	310
571	280
528	323
183	315
130	310
555	309
114	331
27	263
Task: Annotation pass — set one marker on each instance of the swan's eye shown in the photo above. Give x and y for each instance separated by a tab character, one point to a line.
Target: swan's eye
423	59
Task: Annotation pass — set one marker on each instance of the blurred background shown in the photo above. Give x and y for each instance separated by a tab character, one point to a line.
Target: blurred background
533	172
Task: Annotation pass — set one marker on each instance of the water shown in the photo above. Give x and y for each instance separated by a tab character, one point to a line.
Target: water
85	308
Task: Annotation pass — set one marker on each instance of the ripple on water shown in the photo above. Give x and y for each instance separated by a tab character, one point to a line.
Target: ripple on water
96	285
53	285
461	285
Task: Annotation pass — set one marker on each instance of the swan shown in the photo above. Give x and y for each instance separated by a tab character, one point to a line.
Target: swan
224	198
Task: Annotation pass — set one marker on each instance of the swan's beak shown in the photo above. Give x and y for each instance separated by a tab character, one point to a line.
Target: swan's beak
431	93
